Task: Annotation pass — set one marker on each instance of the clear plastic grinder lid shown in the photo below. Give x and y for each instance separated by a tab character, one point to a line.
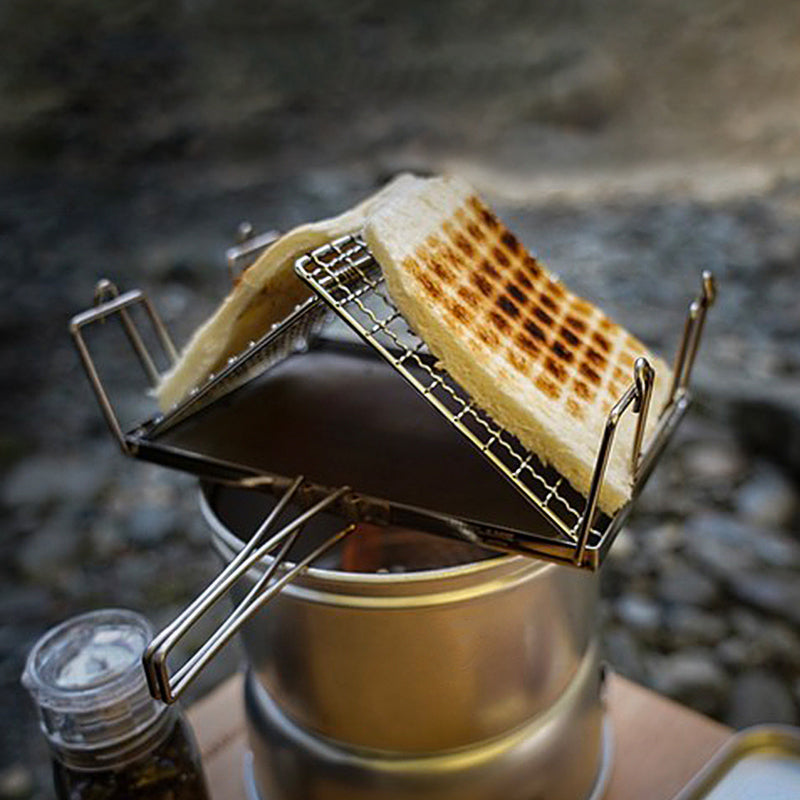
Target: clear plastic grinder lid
87	678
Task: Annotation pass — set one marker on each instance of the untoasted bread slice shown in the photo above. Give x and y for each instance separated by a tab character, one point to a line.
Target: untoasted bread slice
264	294
545	364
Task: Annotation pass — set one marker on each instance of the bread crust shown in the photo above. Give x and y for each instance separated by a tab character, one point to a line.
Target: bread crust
266	293
544	363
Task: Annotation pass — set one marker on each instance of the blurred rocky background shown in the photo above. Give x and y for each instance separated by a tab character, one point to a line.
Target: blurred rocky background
630	144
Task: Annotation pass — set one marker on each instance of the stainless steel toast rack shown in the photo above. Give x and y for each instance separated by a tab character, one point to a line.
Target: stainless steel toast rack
544	517
346	279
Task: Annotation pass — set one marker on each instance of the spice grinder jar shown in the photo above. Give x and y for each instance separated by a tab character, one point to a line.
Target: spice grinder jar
110	740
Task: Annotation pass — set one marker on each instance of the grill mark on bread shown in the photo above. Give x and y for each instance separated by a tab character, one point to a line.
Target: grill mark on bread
489	270
469	297
543	316
483	286
510	241
534	330
527	344
488	337
499	321
516	293
578	325
433	259
519	363
522	279
485	281
430	287
489	219
459	312
507	306
432	244
589	373
424	280
476	232
544	384
574	409
601	340
441	271
548	302
583	391
569	337
558	370
562	352
596	358
500	257
532	265
463	245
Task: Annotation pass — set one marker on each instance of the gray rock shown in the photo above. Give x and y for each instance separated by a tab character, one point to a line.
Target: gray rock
682	583
51	550
624	653
150	525
46	479
584	94
767	416
640	614
106	540
777	592
666	493
714	462
688	626
768	640
728	547
624	548
663	539
757	697
747	623
16	782
736	653
769	498
22	603
782	643
692	677
629	558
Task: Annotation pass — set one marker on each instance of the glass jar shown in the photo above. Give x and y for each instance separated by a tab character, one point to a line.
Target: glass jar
108	737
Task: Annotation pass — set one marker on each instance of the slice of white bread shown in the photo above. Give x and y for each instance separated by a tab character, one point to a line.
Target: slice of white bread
545	364
266	293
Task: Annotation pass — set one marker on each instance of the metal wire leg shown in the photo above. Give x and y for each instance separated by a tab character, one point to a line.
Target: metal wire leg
168	688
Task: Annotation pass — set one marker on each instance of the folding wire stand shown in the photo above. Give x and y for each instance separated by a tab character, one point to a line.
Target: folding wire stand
347	282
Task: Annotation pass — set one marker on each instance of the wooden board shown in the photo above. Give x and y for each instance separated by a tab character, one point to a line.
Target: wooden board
658	744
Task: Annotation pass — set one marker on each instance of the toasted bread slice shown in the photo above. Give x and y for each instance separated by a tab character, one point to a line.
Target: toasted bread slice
545	364
265	294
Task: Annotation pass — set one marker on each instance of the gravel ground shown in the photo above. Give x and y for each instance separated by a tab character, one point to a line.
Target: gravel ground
700	594
606	155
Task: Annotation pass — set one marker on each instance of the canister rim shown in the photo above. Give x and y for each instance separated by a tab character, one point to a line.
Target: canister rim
228	543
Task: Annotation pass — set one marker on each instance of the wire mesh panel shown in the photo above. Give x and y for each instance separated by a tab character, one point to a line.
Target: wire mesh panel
347	277
290	336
